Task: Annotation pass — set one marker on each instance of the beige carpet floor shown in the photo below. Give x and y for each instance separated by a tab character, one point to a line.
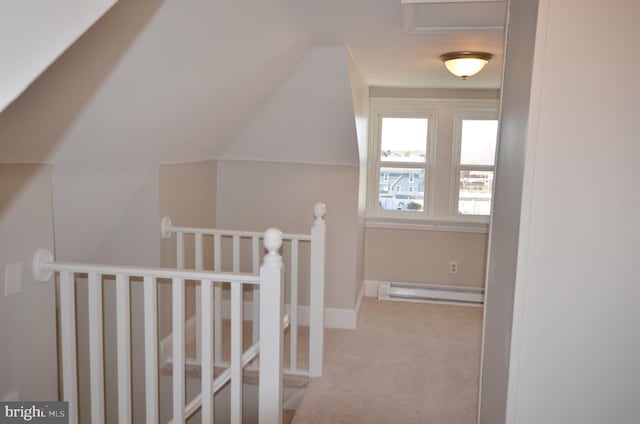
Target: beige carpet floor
405	363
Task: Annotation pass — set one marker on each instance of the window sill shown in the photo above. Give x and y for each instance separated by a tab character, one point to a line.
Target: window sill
434	224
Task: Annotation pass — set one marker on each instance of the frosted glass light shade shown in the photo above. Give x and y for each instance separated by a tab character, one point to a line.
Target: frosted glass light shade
465	64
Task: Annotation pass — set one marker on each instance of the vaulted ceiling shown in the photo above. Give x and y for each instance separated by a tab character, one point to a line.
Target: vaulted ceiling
158	81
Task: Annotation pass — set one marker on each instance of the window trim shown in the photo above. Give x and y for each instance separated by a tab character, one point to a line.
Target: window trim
438	214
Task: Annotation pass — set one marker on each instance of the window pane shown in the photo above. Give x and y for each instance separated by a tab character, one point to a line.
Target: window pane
478	146
474	195
404	139
401	189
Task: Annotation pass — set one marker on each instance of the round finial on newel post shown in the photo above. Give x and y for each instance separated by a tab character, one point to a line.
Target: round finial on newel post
165	225
42	256
319	210
272	242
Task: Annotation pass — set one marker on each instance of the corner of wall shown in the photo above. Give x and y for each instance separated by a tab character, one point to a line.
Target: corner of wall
360	98
28	316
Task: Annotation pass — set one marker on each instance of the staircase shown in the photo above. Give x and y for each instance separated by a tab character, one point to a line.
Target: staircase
215	344
294	384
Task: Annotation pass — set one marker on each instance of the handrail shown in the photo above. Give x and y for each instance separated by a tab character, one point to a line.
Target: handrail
50	267
166	228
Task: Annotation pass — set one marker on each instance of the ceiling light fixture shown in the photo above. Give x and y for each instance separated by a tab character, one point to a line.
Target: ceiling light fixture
465	64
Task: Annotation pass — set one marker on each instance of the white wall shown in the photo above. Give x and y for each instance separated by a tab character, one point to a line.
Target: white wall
33	35
28	357
575	344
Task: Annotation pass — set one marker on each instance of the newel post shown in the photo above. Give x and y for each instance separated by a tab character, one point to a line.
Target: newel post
316	296
271	334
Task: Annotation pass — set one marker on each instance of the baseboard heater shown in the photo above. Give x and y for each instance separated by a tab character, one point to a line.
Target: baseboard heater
431	293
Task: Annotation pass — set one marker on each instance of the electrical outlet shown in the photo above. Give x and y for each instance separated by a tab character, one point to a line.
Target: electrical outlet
453	267
12	278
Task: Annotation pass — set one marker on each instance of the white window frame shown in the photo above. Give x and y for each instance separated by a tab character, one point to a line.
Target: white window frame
404	110
440	188
456	167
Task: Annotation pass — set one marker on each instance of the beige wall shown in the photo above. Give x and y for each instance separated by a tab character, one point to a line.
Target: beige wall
414	256
28	358
256	195
188	197
434	93
422	255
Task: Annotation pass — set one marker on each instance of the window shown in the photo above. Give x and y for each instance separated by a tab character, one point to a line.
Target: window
401	163
408	181
475	163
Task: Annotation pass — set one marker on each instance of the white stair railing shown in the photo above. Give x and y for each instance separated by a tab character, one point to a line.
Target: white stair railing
270	347
316	239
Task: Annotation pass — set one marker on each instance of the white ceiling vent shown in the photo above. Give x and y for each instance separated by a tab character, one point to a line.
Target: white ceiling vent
441	16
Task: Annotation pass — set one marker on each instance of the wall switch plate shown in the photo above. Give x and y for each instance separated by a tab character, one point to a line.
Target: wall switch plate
12	278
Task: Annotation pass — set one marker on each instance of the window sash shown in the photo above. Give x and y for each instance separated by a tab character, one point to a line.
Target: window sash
456	193
373	189
462	115
440	171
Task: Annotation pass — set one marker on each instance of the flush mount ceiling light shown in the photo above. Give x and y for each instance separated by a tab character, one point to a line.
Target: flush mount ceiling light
465	64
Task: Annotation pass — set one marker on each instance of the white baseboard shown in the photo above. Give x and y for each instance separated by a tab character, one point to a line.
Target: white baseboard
371	288
344	319
333	317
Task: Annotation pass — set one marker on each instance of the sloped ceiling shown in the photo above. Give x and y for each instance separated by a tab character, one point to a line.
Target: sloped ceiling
162	82
45	30
308	119
169	81
151	82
